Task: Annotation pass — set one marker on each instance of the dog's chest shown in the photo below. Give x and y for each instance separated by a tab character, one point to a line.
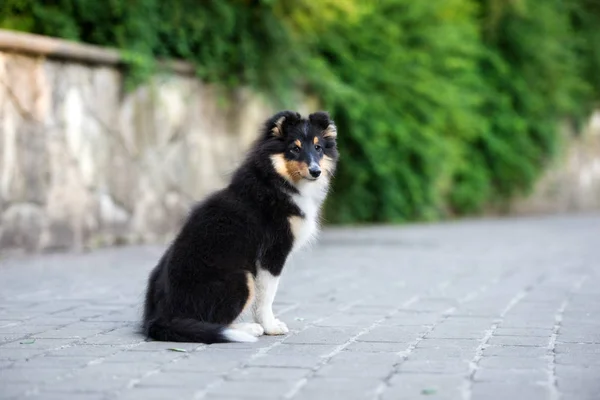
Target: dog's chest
305	229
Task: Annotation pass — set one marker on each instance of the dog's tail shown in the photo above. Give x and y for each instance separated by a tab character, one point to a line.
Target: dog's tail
191	330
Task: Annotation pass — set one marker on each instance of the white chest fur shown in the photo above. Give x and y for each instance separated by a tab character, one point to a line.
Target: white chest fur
309	200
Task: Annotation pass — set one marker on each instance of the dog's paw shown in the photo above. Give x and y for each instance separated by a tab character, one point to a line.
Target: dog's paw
255	329
249	327
276	327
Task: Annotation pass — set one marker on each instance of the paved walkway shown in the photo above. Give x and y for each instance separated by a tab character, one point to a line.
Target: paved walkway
471	310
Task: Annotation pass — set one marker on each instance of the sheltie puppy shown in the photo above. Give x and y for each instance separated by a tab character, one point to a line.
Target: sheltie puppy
229	254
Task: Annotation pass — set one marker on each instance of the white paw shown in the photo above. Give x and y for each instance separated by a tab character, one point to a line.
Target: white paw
249	327
276	327
255	329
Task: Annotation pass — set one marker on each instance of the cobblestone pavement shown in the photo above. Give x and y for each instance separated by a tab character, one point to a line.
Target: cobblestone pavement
504	309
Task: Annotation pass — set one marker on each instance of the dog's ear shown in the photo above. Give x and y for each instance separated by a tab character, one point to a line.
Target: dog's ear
275	125
324	121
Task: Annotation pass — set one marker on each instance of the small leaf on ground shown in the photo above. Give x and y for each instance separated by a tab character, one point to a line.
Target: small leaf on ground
177	349
427	391
28	341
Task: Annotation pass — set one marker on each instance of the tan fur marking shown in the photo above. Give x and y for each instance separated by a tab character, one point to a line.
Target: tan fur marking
251	290
298	143
292	171
330	131
280	166
328	165
277	131
296	170
316	140
295	224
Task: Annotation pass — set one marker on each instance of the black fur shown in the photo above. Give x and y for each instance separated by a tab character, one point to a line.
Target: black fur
200	284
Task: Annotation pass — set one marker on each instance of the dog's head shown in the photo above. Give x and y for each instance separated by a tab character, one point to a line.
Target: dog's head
301	149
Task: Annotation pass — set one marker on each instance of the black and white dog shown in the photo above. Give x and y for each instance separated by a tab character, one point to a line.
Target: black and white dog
230	252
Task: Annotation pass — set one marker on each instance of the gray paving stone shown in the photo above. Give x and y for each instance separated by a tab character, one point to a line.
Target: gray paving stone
466	344
25	329
31	374
193	380
108	338
158	357
156	393
575	379
577	348
534	341
253	389
580	359
450	366
349	371
14	390
202	363
507	390
524	322
433	304
163	346
377	347
433	353
81	350
347	319
119	369
414	386
54	362
323	335
19	353
525	332
512	375
392	334
514	351
338	388
509	363
88	383
66	333
375	313
412	318
6	338
456	333
37	344
61	396
297	361
286	350
578	336
269	374
368	359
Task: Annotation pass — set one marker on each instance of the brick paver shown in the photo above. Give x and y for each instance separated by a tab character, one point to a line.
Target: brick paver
504	309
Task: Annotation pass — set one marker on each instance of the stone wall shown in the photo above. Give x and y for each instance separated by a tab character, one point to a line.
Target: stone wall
84	164
572	181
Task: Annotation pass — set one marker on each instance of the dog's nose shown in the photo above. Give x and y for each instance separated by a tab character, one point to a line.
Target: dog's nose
314	170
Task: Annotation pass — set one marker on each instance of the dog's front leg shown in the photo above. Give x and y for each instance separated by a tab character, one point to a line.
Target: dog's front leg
266	284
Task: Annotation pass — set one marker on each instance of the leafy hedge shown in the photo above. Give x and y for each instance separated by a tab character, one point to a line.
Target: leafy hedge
444	106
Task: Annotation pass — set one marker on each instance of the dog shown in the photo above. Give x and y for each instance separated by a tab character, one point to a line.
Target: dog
230	252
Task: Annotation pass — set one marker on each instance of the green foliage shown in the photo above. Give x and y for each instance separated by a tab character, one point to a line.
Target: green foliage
230	42
532	75
411	103
458	107
443	106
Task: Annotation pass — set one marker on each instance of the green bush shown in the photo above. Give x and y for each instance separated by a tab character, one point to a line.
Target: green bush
410	103
230	42
444	106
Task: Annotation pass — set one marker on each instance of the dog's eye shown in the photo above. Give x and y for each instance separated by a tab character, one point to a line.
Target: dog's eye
295	149
318	147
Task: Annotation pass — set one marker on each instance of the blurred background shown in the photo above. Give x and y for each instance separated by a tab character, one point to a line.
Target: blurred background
116	115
